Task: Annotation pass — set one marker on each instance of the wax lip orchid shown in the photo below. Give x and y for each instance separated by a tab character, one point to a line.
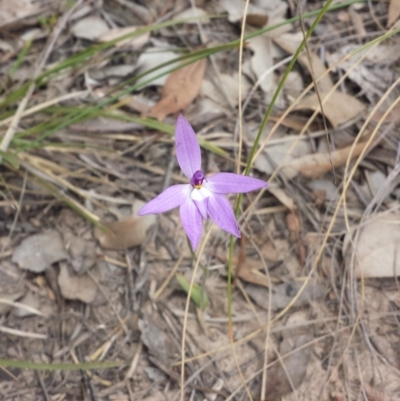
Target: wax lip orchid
204	196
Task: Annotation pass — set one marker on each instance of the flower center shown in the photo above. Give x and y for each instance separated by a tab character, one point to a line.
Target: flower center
197	179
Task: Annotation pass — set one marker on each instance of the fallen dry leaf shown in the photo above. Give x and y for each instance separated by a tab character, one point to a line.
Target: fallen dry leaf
377	250
392	117
288	374
82	253
133	43
73	287
256	16
257	20
275	251
262	61
226	86
358	21
180	89
373	74
290	42
283	294
126	233
294	230
316	165
155	337
39	251
282	197
277	150
152	58
393	12
292	88
194	15
338	108
16	9
90	28
250	272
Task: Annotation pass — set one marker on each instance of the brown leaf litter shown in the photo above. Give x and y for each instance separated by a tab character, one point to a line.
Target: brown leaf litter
180	89
126	233
372	249
338	107
106	293
38	252
316	165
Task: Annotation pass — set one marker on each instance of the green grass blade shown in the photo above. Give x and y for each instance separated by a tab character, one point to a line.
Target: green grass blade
9	363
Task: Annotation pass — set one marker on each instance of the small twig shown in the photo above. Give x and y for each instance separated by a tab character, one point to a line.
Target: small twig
134	363
20	333
85	379
20	305
43	386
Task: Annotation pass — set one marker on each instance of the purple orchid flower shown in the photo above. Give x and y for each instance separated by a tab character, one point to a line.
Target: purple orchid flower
202	197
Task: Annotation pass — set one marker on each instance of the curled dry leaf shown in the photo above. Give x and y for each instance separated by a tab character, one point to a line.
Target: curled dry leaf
376	251
39	251
90	28
180	89
134	43
73	287
315	165
126	233
251	272
338	107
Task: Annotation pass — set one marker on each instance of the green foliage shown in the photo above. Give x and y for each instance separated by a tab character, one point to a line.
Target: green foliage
198	295
9	363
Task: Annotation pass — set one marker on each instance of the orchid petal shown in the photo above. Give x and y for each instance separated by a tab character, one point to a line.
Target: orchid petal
203	207
191	221
199	194
187	147
170	198
230	183
221	213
